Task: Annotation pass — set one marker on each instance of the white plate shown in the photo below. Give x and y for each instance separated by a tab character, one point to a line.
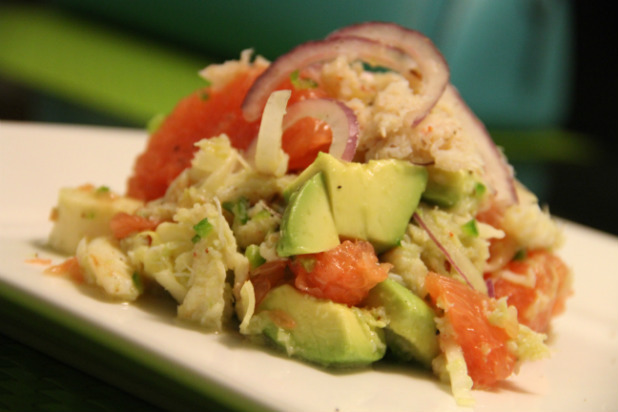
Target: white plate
37	159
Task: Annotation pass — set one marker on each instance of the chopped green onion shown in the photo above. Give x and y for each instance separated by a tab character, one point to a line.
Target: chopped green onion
102	189
137	282
470	228
521	255
375	69
253	254
262	214
302	83
480	189
202	229
239	209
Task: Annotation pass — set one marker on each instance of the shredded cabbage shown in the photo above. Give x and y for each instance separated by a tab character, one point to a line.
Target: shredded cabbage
450	366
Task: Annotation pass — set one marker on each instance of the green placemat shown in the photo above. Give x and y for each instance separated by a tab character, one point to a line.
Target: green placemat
92	65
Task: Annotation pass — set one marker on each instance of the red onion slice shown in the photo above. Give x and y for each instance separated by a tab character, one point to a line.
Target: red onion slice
432	75
339	117
355	48
498	172
459	261
491	291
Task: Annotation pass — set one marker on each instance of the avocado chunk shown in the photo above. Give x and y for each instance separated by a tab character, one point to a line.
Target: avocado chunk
411	333
372	201
319	331
307	225
447	188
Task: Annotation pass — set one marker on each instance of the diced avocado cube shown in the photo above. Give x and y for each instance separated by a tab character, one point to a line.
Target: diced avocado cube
372	201
320	331
411	333
307	225
447	188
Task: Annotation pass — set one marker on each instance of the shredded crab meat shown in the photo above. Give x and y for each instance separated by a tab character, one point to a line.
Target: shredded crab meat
382	103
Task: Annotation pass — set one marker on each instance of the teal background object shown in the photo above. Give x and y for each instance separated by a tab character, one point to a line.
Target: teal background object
511	59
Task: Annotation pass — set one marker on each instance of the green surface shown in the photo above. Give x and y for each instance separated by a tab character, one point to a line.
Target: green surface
93	66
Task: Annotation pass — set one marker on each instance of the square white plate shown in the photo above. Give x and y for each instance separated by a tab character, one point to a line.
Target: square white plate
36	160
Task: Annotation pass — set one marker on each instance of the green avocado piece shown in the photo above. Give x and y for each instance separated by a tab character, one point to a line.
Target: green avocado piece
372	201
319	331
307	224
447	188
411	333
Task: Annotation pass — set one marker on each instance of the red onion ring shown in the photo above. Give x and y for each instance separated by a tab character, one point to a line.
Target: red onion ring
339	117
433	72
370	51
463	266
491	291
498	172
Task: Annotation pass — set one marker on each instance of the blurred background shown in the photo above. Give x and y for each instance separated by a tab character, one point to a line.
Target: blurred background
539	73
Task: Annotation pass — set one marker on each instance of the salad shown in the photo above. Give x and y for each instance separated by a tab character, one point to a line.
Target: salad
340	203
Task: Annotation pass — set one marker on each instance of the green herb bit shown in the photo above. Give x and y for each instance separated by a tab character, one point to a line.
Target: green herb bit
470	228
137	282
261	215
480	189
204	95
375	68
102	190
253	254
239	209
202	229
300	83
521	255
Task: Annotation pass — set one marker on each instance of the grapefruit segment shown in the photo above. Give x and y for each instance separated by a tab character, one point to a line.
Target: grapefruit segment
484	345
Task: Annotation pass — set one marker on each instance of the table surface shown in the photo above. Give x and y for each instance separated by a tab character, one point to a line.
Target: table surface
31	380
